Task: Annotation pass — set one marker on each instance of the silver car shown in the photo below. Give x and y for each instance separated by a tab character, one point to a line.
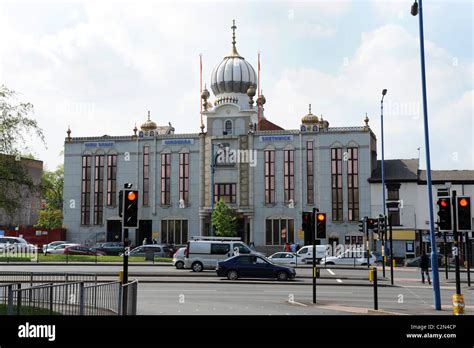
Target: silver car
178	258
158	250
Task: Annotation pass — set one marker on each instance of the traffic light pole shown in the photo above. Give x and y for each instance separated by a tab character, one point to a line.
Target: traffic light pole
391	251
383	253
314	231
456	244
468	257
446	263
125	271
368	241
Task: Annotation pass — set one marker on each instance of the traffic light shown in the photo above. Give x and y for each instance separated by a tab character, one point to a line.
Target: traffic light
375	225
363	224
382	225
130	209
370	223
464	213
321	225
444	213
120	203
308	222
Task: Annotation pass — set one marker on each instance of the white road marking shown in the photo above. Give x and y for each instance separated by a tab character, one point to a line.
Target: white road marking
330	272
297	303
339	281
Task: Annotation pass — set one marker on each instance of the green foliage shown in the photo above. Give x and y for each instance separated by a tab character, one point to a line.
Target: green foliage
224	220
14	126
50	218
52	187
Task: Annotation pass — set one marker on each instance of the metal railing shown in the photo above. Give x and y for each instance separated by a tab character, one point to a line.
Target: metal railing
69	298
45	277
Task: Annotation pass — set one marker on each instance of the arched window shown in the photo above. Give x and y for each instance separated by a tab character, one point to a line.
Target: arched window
228	127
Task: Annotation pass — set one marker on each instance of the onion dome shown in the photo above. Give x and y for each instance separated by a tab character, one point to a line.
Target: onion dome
148	125
234	74
310	118
323	124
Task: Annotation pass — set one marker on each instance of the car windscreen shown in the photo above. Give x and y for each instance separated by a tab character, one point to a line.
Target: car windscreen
220	248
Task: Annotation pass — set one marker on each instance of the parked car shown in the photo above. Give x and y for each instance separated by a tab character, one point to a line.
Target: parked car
51	245
306	253
82	250
110	248
15	244
204	253
59	249
286	258
253	266
350	258
157	249
178	258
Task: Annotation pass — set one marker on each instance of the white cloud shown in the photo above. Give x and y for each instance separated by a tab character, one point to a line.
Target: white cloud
387	57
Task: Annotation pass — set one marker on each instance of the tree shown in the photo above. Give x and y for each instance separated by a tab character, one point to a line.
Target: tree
224	220
14	126
51	216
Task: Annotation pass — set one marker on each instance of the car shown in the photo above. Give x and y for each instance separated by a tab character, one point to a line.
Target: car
110	248
59	249
204	252
253	266
350	258
51	245
158	250
16	244
306	253
178	258
286	258
82	250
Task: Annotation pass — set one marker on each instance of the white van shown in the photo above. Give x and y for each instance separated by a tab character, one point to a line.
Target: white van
205	252
306	253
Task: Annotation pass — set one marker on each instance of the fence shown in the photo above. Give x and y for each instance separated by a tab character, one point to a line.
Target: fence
72	298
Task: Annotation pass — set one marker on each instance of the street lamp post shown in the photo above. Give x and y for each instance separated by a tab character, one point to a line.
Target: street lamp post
213	170
417	9
384	92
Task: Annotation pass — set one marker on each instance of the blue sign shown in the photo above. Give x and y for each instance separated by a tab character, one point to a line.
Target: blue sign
99	144
266	138
178	141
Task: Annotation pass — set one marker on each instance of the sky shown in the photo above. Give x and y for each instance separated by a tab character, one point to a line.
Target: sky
99	66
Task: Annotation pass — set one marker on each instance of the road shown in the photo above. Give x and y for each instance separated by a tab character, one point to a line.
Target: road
166	290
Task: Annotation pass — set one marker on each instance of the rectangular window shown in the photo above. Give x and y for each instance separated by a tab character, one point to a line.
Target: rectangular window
289	175
226	192
112	180
336	184
394	216
274	228
184	177
309	173
146	175
165	178
269	176
353	183
174	232
99	190
393	192
86	190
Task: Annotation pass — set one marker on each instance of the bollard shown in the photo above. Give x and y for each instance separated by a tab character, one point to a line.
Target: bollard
373	278
121	276
394	263
458	304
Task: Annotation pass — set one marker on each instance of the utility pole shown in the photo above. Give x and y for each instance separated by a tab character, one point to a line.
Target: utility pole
446	263
468	258
313	232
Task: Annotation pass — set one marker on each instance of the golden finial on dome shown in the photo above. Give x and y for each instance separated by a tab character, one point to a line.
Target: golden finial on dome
68	133
366	120
310	118
233	52
148	125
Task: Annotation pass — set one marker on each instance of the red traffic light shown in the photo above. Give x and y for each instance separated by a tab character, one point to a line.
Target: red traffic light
131	196
443	203
463	202
321	217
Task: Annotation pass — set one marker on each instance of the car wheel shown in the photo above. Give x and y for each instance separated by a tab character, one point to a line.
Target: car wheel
197	267
329	263
282	276
179	265
232	275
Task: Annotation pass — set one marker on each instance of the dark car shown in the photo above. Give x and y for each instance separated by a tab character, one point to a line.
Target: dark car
252	266
82	250
110	248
